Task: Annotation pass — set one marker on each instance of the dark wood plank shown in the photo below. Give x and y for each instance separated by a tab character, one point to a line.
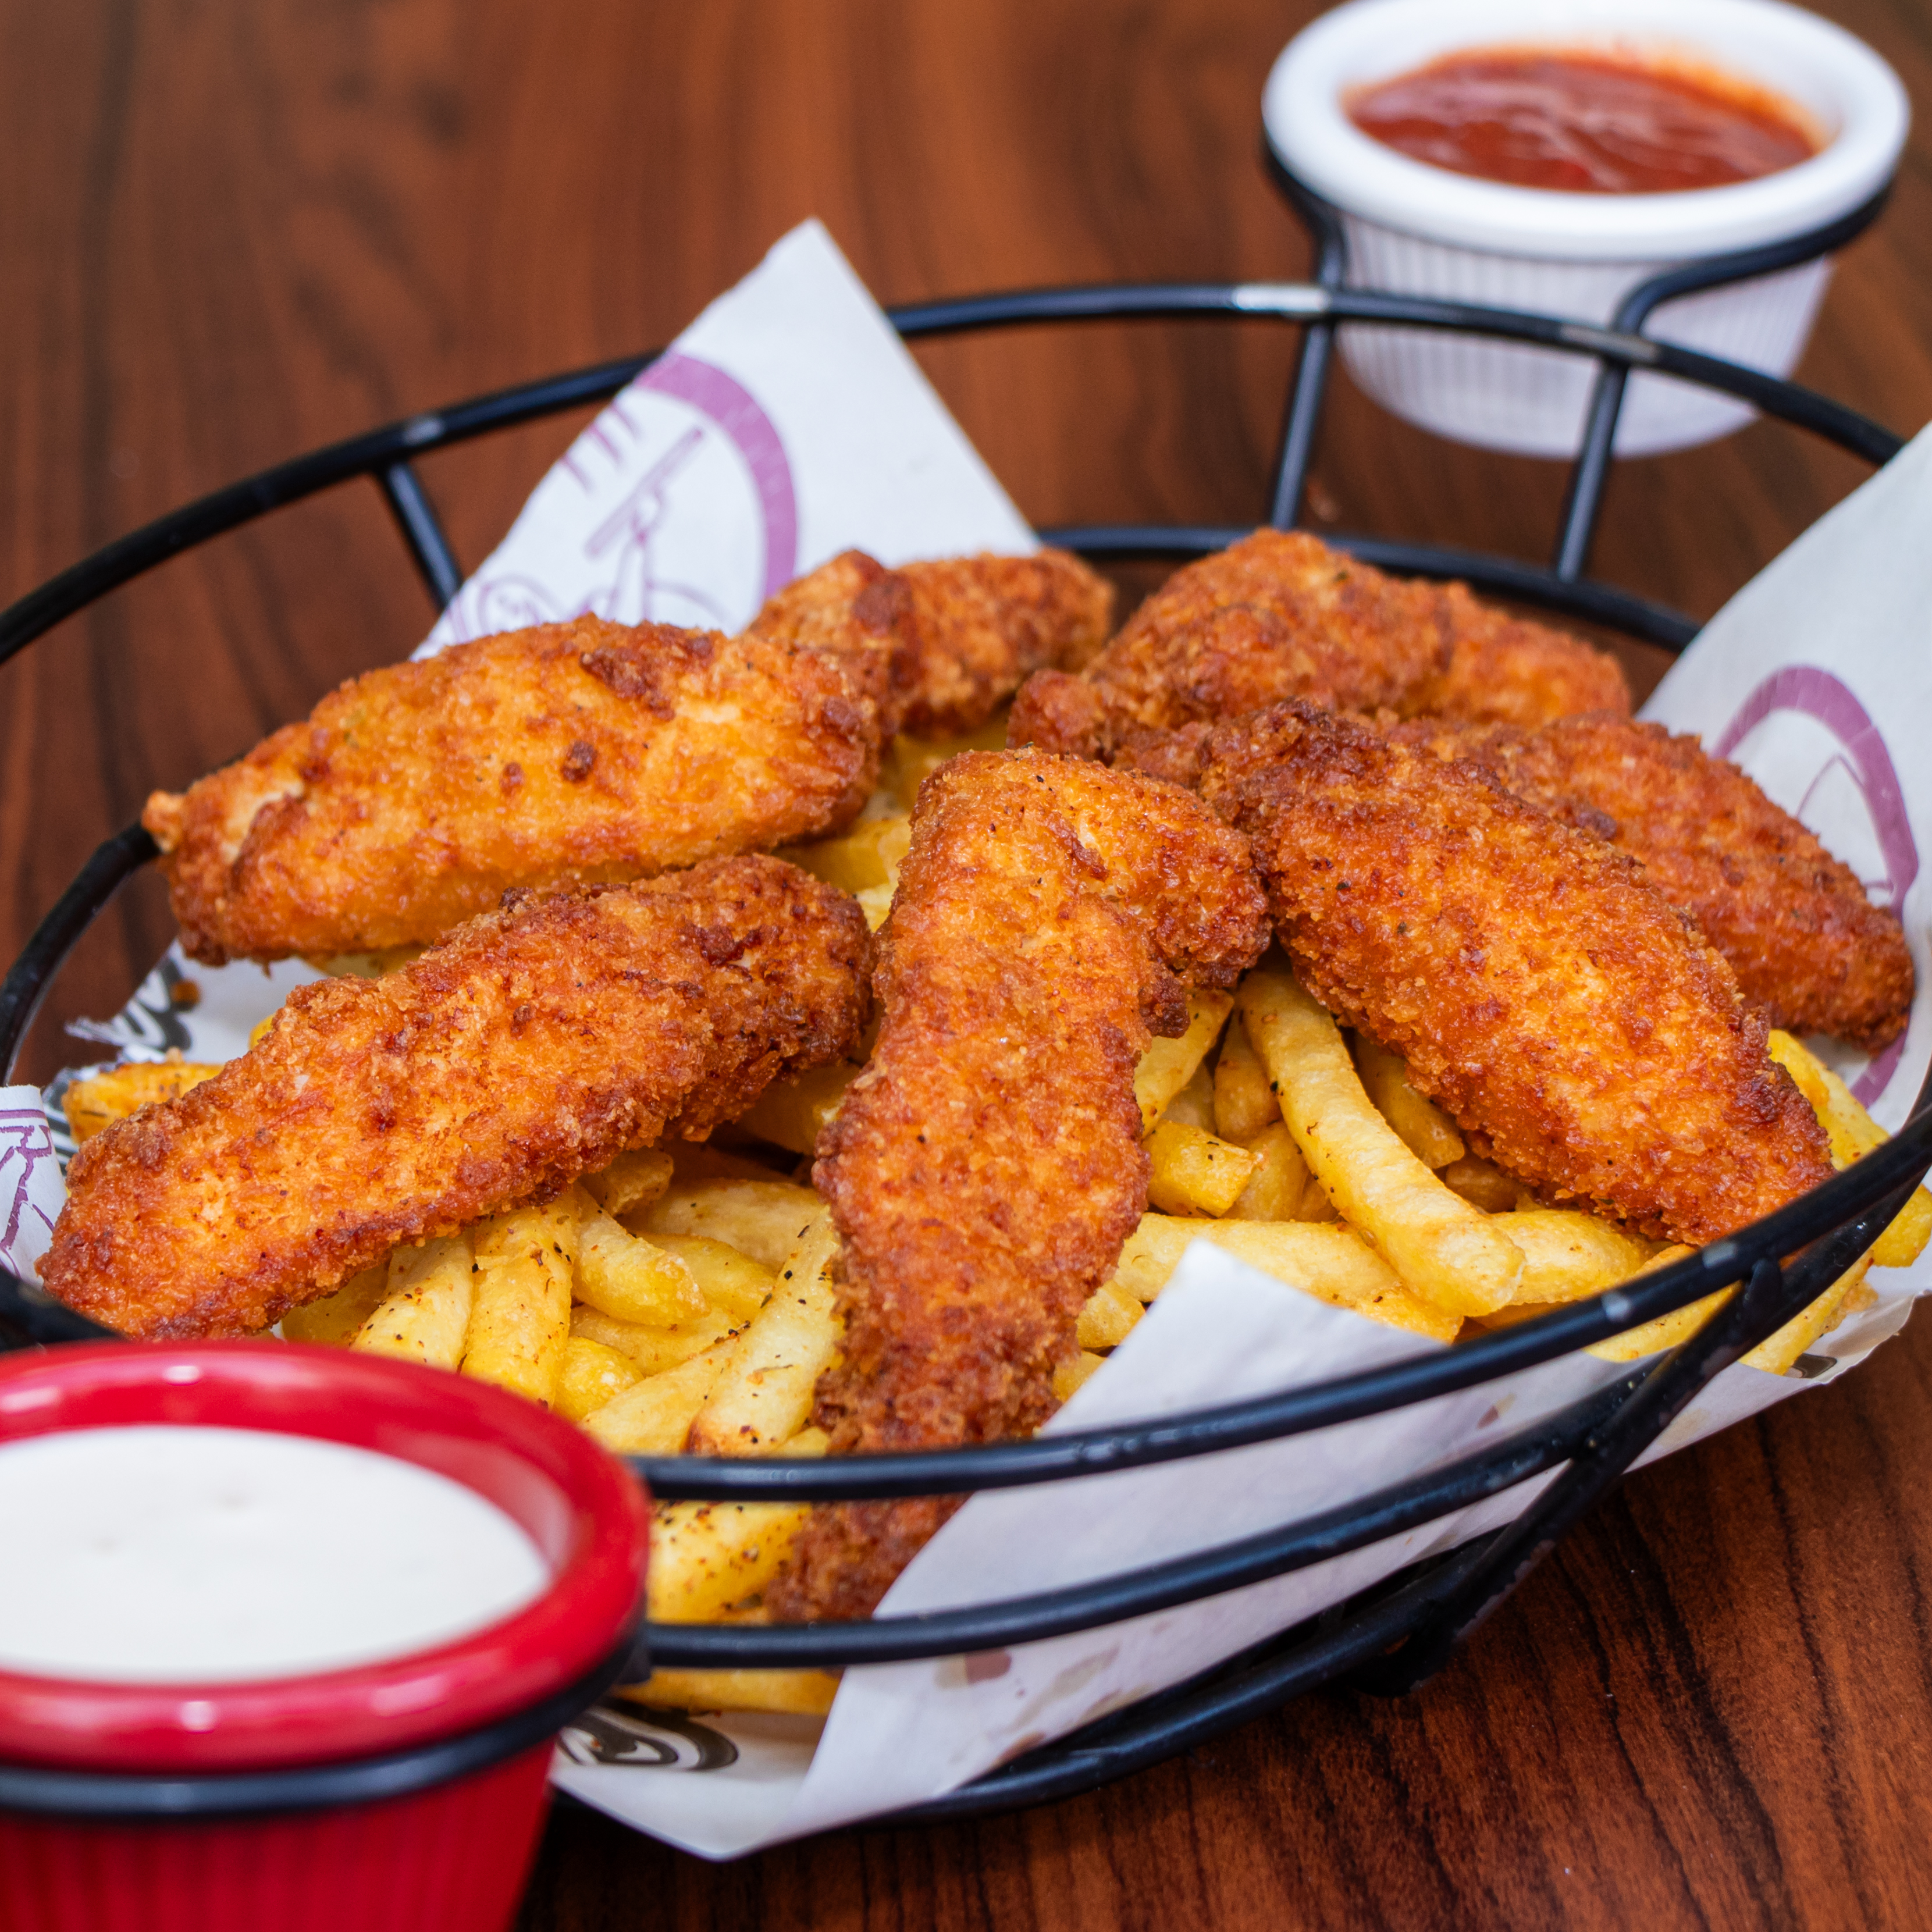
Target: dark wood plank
236	229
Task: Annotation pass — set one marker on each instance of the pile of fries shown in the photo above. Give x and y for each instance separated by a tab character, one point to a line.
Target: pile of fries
681	1300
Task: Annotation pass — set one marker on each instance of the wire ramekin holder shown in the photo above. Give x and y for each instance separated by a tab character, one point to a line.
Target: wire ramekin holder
1402	1631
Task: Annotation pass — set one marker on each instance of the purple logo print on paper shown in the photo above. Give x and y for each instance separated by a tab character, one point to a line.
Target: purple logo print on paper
25	1150
1861	757
624	574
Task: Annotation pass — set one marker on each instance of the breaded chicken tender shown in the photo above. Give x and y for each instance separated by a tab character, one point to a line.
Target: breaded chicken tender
573	754
1281	615
532	1046
1803	940
940	645
1580	1029
986	1167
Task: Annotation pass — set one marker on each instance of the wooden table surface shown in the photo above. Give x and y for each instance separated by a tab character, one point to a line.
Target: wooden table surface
233	230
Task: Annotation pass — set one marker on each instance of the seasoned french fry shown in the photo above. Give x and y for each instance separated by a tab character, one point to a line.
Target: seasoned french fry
620	1274
1333	1264
335	1321
694	1161
631	1182
1652	1338
1527	1310
97	1100
730	1280
807	1693
593	1375
1069	1376
1193	1106
791	1114
1244	1102
909	762
1440	1247
1168	1065
653	1417
1192	1172
1110	1312
869	855
424	1317
1853	1132
1568	1255
1480	1183
763	1396
520	1319
1776	1353
1425	1129
765	1219
707	1559
653	1350
1280	1182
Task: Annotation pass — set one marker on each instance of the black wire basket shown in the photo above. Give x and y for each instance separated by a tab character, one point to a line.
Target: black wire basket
1401	1632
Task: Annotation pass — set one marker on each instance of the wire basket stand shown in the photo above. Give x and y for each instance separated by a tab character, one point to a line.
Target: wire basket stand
1403	1630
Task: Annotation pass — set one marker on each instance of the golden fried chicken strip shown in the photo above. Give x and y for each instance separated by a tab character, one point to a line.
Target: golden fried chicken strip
1281	615
940	645
532	1046
1802	938
1579	1028
987	1166
570	755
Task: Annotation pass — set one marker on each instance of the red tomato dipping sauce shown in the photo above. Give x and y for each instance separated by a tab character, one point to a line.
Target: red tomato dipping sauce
1583	123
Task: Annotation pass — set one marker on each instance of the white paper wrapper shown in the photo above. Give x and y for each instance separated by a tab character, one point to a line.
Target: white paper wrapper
673	506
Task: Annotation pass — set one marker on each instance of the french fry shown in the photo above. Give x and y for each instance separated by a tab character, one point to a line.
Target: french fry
1852	1132
1568	1255
1333	1264
1244	1102
593	1375
653	1417
1425	1129
97	1100
869	855
1440	1247
1776	1353
909	762
791	1114
1666	1331
1168	1065
1480	1183
808	1692
653	1350
377	965
631	1182
424	1317
763	1396
1110	1311
335	1321
730	1281
765	1219
520	1319
694	1161
620	1274
1192	1172
708	1559
1280	1182
1068	1375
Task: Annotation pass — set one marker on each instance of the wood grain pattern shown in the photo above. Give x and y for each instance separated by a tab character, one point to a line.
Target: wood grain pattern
235	229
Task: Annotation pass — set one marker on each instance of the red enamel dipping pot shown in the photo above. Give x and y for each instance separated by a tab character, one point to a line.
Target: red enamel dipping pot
405	1793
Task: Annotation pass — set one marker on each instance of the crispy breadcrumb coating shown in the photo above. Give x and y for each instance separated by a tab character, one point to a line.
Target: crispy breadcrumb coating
986	1167
532	1046
1281	615
940	645
570	755
1803	938
1578	1027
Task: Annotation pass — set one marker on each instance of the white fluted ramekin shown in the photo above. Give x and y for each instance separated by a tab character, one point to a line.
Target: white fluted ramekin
1416	229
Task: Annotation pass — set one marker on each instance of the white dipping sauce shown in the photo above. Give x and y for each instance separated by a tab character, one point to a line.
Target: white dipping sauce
156	1554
